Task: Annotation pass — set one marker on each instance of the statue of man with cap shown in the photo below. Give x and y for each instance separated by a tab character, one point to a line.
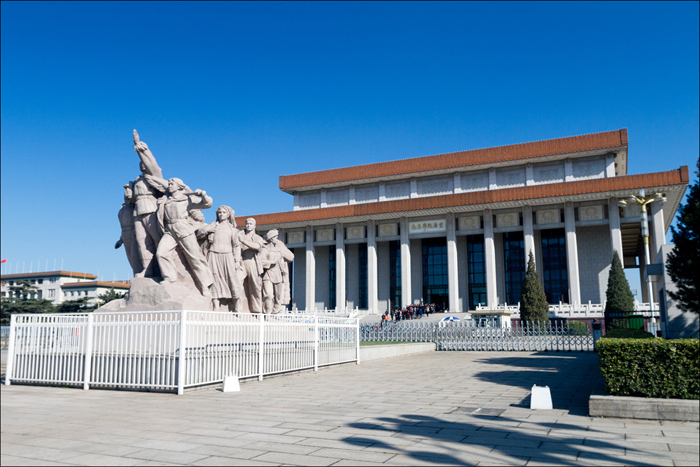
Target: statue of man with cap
251	271
275	282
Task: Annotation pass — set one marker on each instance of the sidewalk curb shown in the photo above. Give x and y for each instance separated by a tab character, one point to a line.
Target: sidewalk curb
644	408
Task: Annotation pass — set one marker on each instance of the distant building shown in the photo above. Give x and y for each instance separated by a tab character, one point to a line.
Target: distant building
59	286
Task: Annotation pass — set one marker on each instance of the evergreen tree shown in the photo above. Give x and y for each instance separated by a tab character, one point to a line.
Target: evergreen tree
108	296
79	305
683	263
533	301
618	297
19	303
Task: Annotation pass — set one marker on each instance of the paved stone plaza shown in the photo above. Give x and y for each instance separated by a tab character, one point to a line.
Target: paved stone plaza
448	408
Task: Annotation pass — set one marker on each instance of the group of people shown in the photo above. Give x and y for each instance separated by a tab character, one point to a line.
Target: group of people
411	312
228	265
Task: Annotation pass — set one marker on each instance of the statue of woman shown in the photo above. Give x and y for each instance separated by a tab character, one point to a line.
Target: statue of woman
223	257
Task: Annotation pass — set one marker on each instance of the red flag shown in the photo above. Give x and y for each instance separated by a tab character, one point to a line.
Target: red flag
3	260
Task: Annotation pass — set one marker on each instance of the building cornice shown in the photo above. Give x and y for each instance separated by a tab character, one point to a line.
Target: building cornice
606	141
674	181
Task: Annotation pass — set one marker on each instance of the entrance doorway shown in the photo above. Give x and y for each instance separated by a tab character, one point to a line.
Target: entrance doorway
435	278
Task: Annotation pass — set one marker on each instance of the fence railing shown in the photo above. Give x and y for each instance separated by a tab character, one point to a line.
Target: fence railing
583	310
172	350
468	335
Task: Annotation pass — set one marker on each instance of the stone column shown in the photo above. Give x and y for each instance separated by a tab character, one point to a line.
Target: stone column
493	182
452	265
490	259
296	202
405	265
529	175
610	165
528	233
572	255
414	188
310	270
339	267
372	286
659	229
568	170
457	185
323	198
351	195
615	229
382	191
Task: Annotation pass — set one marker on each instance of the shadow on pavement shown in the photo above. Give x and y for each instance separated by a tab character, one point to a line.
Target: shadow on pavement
493	443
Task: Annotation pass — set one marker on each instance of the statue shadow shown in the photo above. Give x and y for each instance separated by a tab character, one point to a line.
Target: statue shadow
468	442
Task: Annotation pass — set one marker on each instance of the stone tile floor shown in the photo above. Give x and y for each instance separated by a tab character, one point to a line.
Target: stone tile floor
440	408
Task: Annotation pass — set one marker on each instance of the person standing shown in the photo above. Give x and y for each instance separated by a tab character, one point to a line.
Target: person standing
275	282
128	237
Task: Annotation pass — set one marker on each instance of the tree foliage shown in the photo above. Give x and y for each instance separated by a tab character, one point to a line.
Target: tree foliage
683	263
108	296
80	305
618	296
16	306
533	300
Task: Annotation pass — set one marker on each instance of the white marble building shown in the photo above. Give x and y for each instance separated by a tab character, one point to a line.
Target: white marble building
456	229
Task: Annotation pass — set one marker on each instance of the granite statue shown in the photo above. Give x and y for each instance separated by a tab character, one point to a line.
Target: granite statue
224	258
250	273
177	231
128	236
275	281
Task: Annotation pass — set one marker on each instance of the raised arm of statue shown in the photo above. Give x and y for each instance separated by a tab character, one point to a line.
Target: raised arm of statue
157	183
205	203
146	156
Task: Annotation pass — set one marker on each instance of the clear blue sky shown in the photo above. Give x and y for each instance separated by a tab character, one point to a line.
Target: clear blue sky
231	95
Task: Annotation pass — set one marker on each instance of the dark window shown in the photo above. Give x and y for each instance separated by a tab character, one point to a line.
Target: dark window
362	254
435	288
556	281
514	259
395	274
331	281
476	269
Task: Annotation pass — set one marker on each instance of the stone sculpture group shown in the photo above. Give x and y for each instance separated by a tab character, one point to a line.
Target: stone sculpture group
180	262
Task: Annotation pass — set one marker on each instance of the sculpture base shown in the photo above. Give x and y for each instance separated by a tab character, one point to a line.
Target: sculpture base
147	294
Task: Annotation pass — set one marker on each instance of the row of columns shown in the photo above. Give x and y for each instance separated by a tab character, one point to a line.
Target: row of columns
452	257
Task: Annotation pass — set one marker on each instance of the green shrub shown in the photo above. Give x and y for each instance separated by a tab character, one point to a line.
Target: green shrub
628	334
577	328
651	367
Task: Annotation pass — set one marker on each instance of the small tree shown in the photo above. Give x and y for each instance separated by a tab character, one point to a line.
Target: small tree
683	263
533	300
80	305
618	297
109	296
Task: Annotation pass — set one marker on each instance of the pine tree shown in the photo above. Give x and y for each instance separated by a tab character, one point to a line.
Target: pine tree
683	263
533	301
618	297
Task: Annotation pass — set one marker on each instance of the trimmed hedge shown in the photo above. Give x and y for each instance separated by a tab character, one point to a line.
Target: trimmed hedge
658	368
628	334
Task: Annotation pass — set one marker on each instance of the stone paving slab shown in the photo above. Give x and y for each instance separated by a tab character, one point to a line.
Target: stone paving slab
439	408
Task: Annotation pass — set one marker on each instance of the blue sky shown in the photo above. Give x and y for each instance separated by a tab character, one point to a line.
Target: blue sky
231	95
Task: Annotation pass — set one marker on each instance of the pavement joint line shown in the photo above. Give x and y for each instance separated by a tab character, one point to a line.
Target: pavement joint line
661	442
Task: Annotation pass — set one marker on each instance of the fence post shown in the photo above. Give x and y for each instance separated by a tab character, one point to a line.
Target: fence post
316	339
10	350
181	358
261	361
357	340
88	353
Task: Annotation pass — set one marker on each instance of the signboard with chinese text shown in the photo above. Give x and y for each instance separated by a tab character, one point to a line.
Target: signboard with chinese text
427	226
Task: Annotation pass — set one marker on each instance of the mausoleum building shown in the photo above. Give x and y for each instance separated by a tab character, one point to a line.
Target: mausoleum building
456	229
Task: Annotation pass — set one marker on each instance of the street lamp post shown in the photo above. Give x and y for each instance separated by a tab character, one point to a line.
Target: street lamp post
643	200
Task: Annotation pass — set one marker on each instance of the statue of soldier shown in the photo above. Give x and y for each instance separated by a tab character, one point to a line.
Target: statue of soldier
275	284
251	270
147	188
128	237
178	230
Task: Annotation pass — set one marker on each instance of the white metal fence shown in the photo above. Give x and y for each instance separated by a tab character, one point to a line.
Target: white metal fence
470	335
172	350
